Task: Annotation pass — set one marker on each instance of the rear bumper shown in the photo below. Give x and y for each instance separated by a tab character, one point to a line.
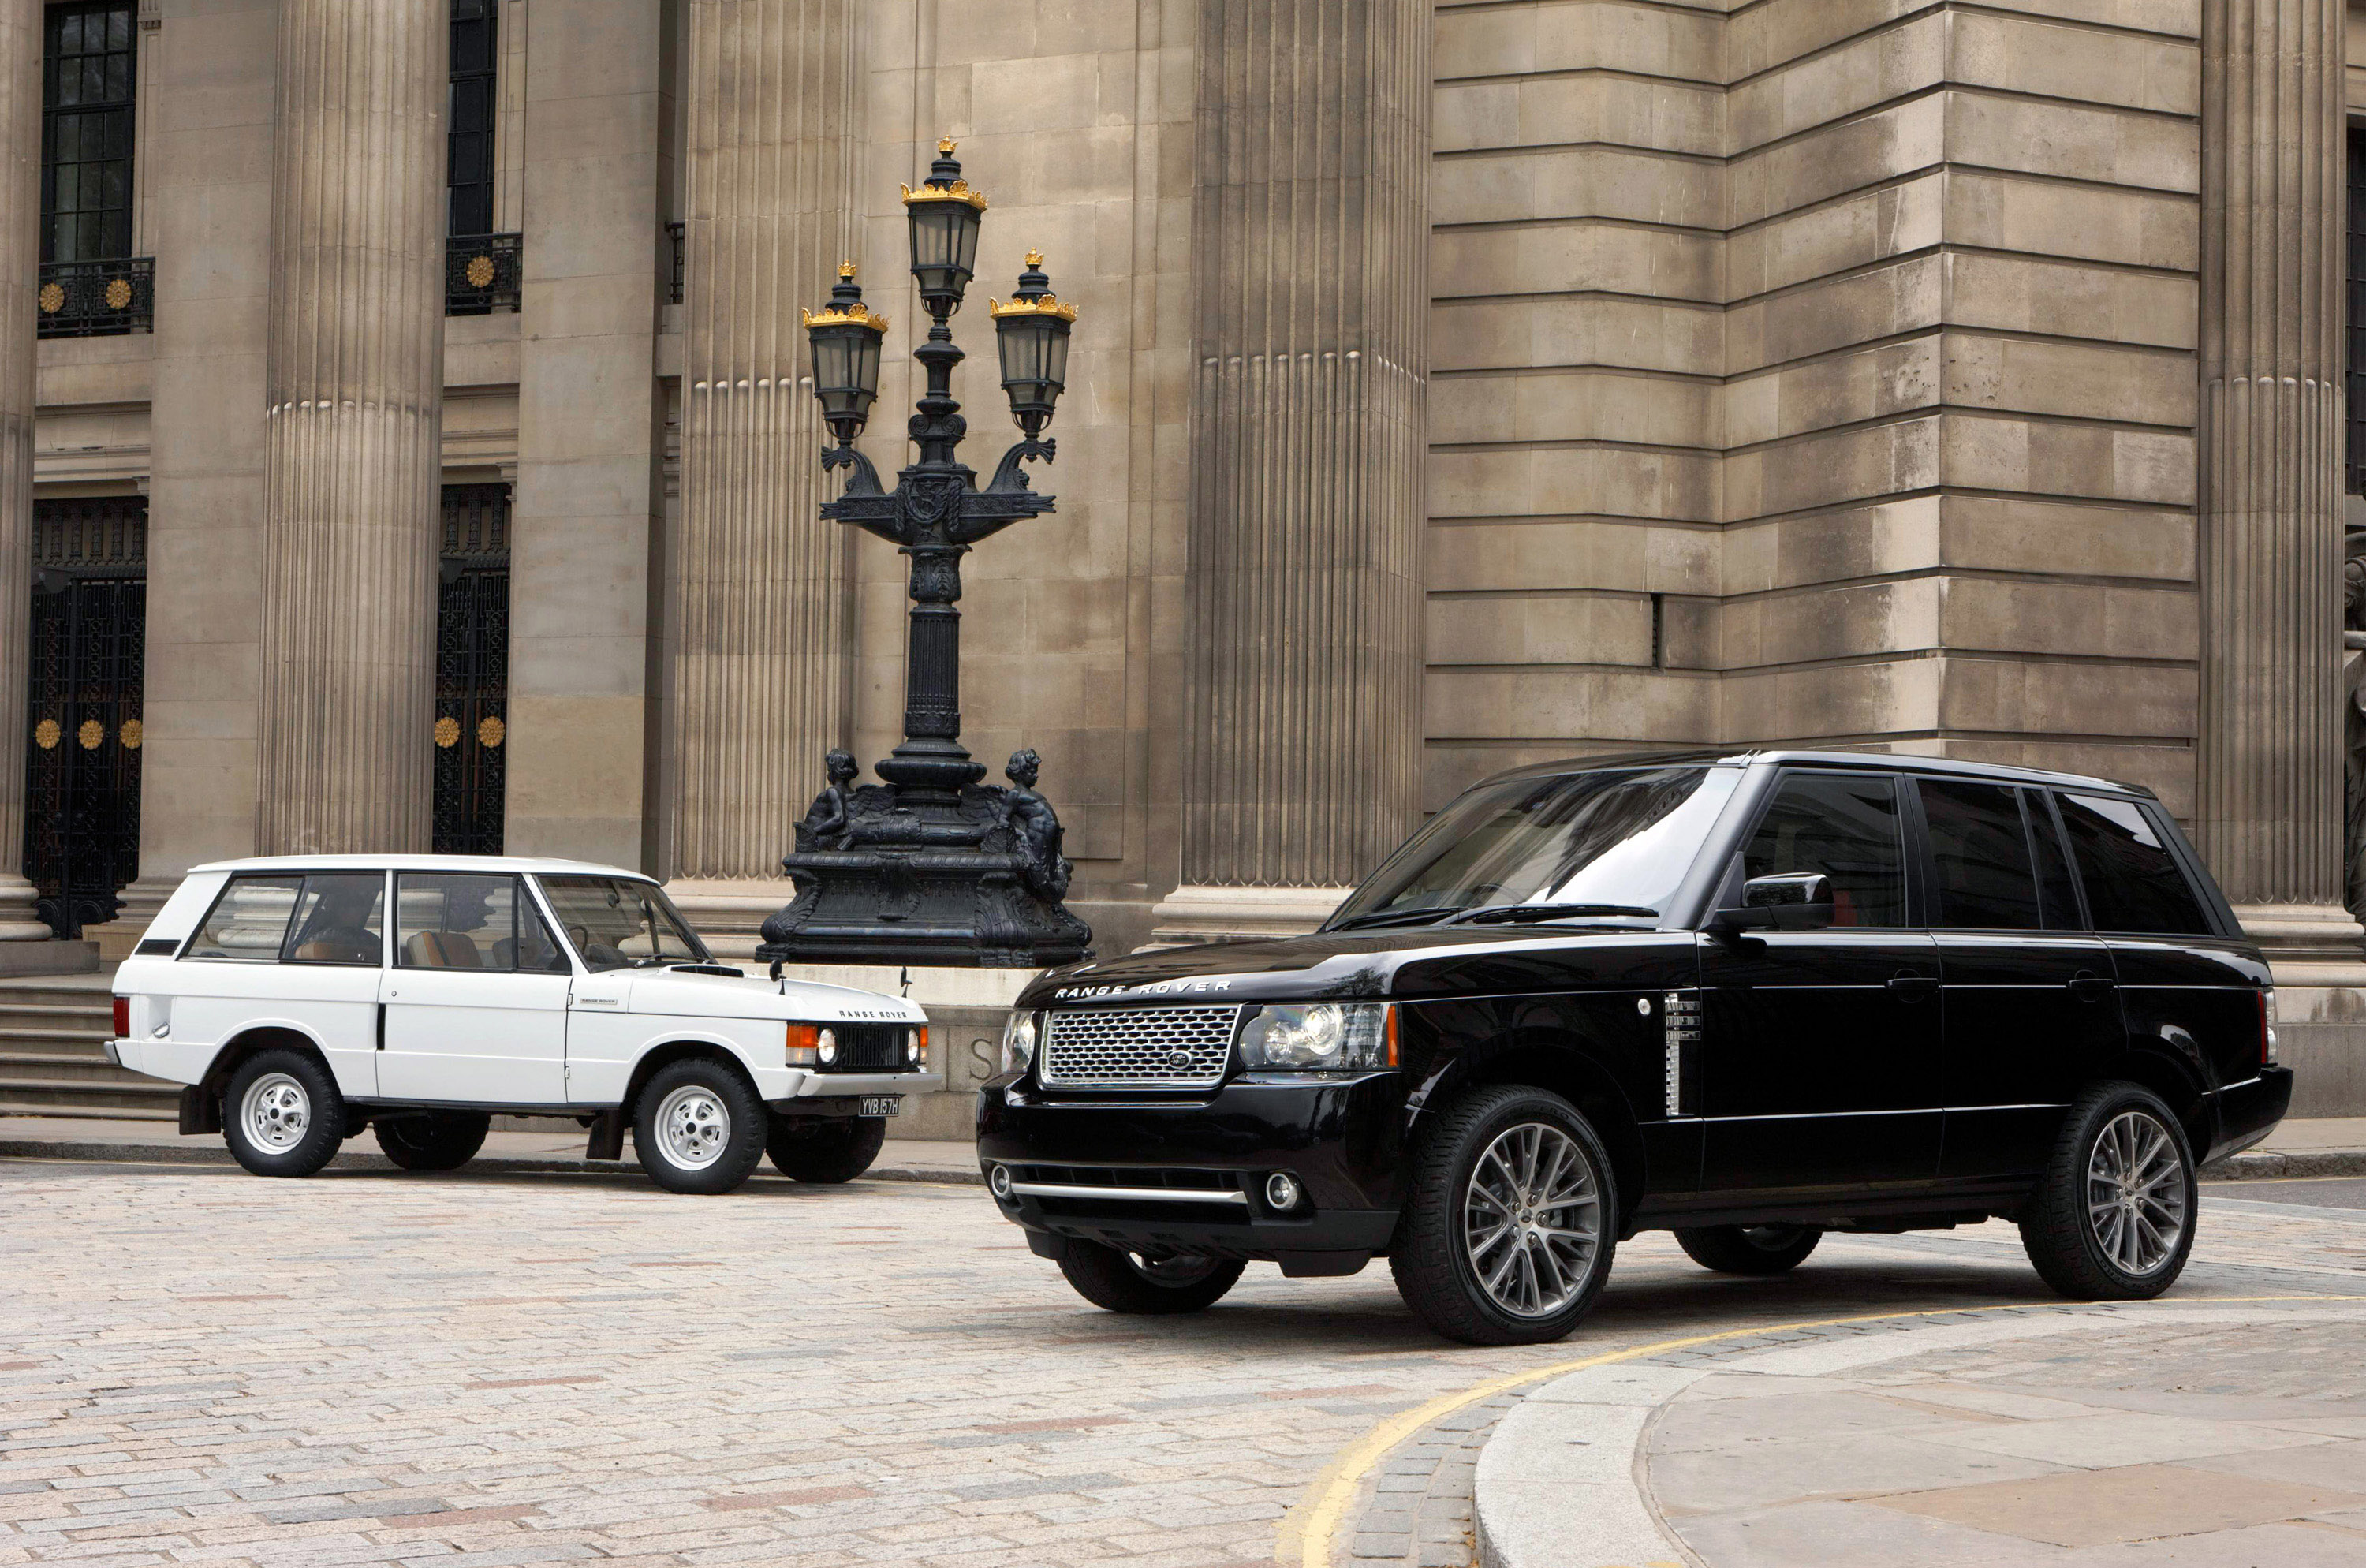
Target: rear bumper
2249	1111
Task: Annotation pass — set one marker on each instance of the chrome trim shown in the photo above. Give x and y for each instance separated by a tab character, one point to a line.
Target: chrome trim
1134	1194
1893	1111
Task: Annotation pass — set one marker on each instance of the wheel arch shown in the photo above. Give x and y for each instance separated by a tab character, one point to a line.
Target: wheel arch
248	1043
681	1048
1555	1063
2166	1063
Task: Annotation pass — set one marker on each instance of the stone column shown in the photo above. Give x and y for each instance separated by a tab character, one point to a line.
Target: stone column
20	246
756	678
1310	236
354	390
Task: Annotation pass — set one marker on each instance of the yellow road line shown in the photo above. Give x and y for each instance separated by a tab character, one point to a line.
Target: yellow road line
1308	1529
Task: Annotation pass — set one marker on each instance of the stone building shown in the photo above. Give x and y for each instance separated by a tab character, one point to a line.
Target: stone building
414	450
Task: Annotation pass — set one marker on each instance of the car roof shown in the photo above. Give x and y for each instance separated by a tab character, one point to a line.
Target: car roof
421	863
1883	762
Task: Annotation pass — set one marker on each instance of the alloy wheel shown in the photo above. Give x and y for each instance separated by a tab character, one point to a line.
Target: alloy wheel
1532	1220
277	1111
695	1125
2136	1194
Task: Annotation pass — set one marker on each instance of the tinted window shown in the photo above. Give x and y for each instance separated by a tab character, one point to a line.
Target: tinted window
2058	891
1979	853
249	920
2132	882
340	919
1844	827
465	920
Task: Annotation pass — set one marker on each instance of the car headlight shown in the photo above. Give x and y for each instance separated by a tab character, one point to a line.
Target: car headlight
826	1047
1019	1043
1354	1035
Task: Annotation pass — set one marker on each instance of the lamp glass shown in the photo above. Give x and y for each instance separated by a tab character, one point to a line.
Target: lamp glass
944	246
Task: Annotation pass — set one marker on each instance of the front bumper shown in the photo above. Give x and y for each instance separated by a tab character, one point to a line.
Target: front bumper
2249	1111
784	1088
1339	1137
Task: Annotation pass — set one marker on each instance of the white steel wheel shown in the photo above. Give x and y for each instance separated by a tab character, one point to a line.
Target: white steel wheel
2136	1194
1532	1220
693	1127
276	1111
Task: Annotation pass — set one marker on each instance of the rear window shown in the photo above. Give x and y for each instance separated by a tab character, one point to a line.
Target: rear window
249	921
1985	879
2133	880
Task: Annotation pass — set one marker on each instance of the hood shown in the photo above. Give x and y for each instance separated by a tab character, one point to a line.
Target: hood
1405	963
687	994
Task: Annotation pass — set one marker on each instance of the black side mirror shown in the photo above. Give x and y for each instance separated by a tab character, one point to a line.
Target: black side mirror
1797	901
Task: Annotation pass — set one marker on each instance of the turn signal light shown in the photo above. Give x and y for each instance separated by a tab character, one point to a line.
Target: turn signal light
804	1045
1391	1031
915	1048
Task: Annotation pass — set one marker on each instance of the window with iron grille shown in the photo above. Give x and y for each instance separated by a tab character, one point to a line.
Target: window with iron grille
469	170
472	664
2354	326
86	108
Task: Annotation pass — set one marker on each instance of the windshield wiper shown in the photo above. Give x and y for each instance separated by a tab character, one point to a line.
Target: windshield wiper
1392	917
1508	913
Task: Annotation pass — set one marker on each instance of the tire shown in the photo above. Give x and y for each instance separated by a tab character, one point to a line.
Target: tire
1121	1282
282	1114
2093	1238
698	1127
1750	1249
1449	1249
440	1140
825	1148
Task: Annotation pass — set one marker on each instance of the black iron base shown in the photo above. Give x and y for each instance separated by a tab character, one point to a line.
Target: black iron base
968	908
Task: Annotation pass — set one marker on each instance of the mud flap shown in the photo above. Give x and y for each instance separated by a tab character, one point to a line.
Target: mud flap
607	1135
200	1110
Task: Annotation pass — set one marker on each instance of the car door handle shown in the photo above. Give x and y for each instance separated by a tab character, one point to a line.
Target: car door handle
2090	987
1909	987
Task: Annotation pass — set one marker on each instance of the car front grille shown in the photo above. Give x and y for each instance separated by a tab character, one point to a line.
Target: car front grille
869	1048
1138	1047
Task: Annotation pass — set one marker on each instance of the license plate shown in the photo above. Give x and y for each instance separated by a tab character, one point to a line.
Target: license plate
879	1105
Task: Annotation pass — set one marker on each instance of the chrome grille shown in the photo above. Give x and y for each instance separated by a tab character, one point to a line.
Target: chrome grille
1138	1047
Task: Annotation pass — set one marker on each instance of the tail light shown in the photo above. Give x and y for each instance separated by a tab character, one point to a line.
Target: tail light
122	1018
2267	1026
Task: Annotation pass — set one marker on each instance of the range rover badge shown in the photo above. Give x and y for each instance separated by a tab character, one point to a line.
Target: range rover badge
1178	1060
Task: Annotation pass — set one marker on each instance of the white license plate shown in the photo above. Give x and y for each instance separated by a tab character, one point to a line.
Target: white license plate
879	1105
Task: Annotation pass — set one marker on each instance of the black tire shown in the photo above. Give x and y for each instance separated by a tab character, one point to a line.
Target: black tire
825	1148
717	1131
1120	1281
2108	1253
282	1114
1749	1249
1432	1262
438	1140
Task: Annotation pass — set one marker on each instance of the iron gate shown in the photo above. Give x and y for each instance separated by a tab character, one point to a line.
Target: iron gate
81	786
472	670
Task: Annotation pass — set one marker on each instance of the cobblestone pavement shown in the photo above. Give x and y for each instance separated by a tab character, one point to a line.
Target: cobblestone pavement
199	1366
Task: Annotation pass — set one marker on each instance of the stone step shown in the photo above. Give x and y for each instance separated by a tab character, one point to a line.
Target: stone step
99	1021
11	1106
85	1097
79	1047
18	1066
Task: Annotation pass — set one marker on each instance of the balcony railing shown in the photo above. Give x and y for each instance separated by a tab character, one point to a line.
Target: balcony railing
97	298
480	273
681	246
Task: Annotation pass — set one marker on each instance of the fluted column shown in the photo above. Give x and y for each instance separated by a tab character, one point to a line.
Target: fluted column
354	385
757	671
20	253
1309	235
2270	811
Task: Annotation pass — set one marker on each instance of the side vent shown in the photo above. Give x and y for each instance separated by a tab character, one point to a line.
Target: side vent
1682	1029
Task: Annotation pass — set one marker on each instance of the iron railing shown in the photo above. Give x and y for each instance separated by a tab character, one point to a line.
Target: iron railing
480	273
97	298
680	248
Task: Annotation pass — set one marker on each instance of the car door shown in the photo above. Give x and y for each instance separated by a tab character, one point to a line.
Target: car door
476	1003
1820	1048
289	949
2031	1003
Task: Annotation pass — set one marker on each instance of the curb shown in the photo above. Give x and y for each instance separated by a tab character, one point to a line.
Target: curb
2272	1166
498	1165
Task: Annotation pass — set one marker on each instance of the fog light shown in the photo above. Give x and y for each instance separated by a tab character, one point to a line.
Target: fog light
1281	1191
1000	1181
826	1046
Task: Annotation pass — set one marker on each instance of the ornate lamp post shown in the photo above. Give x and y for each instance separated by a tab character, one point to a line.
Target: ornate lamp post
931	867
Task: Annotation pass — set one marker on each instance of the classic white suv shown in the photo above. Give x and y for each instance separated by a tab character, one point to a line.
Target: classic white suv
297	1013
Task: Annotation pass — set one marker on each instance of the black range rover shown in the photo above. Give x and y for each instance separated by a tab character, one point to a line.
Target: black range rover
1749	1000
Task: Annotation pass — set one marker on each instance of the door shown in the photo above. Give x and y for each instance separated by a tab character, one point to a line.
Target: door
472	655
476	1004
2032	1002
1819	1048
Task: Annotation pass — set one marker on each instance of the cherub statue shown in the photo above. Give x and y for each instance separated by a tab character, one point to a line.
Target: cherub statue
828	821
1035	828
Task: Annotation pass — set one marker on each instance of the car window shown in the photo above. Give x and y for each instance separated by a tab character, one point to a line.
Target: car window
469	920
249	920
341	919
617	922
2133	880
1845	826
2056	891
1983	876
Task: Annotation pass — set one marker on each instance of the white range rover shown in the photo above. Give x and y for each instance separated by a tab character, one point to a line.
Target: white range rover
298	1012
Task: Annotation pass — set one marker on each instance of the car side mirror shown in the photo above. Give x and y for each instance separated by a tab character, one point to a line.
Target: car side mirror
1795	901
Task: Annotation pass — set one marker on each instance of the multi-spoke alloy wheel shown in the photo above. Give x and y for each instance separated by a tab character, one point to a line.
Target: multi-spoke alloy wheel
695	1126
1532	1218
2135	1192
1510	1220
2112	1219
276	1111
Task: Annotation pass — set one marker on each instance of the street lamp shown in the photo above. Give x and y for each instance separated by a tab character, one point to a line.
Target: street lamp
934	868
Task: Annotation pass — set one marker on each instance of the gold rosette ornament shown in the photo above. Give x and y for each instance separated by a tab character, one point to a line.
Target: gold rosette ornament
119	293
130	735
481	272
91	733
447	731
46	735
490	732
53	297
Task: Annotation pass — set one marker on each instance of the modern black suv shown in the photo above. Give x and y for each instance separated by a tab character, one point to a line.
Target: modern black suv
1750	999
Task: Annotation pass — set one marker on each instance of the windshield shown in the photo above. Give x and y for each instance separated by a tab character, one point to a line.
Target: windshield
1596	842
616	923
